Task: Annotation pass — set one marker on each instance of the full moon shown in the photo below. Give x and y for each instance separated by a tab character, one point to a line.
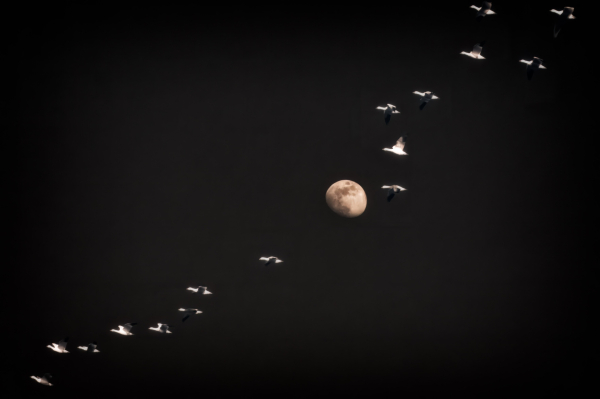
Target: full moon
346	198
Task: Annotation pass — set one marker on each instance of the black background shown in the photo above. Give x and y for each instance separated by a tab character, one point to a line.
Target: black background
164	147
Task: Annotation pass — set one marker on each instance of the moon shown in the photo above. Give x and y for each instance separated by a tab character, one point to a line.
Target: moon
346	198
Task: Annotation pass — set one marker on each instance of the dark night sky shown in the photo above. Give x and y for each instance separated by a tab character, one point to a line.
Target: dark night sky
160	148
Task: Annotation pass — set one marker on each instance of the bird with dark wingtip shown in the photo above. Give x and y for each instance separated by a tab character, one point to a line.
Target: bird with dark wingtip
564	15
533	66
91	348
388	111
425	98
476	52
485	9
393	190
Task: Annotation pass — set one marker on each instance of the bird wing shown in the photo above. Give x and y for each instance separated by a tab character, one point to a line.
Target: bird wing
419	93
390	195
476	50
486	5
187	316
164	327
529	72
387	118
264	258
423	104
401	142
192	289
127	326
62	344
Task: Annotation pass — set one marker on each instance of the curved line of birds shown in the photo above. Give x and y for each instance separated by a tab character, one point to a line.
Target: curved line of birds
425	97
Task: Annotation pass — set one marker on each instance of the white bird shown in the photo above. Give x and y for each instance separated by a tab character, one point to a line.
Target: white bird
162	328
393	190
485	9
476	52
533	66
565	14
425	98
189	312
388	111
200	289
91	348
270	259
44	380
398	148
61	347
125	329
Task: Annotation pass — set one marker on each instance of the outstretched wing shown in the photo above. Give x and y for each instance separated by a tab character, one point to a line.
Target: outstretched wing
187	316
62	344
529	72
387	118
423	104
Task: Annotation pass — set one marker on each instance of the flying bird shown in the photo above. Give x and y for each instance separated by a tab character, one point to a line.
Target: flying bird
388	111
398	148
200	289
533	66
61	347
162	328
189	312
476	52
270	259
485	9
91	348
393	190
425	98
565	15
125	329
44	380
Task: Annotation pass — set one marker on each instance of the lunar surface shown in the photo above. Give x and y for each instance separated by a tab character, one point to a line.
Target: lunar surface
346	198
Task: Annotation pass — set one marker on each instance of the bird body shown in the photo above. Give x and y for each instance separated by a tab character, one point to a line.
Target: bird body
564	15
125	329
61	347
476	52
398	148
270	259
425	98
91	348
200	289
388	111
162	328
393	190
189	312
44	380
533	66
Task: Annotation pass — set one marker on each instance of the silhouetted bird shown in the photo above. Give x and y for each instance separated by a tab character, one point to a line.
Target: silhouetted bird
393	190
425	98
124	329
564	15
270	259
61	347
162	328
476	52
485	9
44	380
398	148
388	111
91	348
533	66
201	290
